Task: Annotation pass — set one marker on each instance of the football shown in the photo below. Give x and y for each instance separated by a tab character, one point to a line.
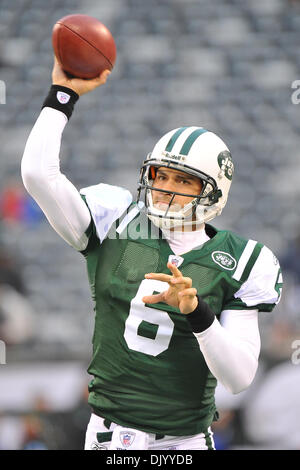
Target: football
83	46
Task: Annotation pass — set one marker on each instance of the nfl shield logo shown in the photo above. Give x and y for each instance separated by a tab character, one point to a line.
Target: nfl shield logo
62	97
176	260
127	438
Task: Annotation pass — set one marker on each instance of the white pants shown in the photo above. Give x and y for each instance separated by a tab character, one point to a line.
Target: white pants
99	437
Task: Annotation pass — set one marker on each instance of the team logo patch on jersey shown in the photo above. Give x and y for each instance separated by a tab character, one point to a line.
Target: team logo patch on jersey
62	97
177	260
127	438
225	260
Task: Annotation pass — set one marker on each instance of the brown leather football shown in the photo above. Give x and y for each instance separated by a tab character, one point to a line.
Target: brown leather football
84	47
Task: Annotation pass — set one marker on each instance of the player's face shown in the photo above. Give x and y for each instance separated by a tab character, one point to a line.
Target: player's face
174	180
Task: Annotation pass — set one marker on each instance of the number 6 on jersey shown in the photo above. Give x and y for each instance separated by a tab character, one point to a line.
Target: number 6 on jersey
140	313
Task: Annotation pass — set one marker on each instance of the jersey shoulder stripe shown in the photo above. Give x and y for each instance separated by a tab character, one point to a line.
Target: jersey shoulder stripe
261	281
251	262
243	261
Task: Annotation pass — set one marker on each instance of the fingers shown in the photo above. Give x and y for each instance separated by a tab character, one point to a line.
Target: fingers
159	277
177	279
57	67
58	75
182	280
104	75
190	292
79	85
154	299
174	270
101	79
188	301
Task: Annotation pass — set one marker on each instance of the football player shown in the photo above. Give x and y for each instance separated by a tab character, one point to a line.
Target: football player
176	300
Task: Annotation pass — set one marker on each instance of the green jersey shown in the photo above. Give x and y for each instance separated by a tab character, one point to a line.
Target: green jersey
149	372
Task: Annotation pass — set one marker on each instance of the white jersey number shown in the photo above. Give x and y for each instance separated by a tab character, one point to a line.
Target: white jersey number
139	313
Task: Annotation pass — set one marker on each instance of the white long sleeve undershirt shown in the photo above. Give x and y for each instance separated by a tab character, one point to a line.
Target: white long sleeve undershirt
231	349
55	194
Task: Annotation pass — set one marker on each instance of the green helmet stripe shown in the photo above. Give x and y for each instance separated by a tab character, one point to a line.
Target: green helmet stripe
190	140
174	138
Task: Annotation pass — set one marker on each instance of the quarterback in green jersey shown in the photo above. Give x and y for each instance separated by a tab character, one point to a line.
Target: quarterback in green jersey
176	300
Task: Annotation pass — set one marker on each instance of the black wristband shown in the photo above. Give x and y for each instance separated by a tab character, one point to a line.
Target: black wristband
202	317
61	98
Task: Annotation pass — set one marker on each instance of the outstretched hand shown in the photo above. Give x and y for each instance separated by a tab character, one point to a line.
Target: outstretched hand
180	294
79	85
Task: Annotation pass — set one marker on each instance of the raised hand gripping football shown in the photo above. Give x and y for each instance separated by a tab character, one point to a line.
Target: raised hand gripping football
180	293
79	85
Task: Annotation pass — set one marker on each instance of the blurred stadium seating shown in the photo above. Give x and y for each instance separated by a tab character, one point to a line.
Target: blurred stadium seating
228	67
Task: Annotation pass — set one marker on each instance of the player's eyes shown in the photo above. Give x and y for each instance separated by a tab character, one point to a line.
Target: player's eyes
178	181
184	182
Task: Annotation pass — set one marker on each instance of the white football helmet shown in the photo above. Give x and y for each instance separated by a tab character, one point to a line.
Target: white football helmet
198	152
